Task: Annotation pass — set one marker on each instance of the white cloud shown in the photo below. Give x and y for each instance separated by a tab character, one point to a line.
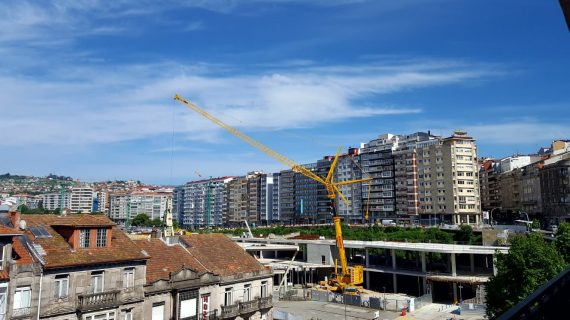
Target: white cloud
82	105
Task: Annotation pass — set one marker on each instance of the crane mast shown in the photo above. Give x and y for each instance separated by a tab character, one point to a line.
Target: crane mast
344	279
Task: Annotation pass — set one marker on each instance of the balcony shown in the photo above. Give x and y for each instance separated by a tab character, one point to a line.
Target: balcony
95	301
247	307
230	311
266	302
21	312
212	315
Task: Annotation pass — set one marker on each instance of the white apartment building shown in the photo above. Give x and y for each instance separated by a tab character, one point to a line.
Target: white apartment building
510	163
81	199
53	201
125	206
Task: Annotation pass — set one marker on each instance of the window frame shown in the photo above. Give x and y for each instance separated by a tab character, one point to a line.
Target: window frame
228	297
17	293
58	281
247	292
126	283
101	239
96	274
84	238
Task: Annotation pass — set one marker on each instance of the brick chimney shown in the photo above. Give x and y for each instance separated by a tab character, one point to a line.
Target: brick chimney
15	218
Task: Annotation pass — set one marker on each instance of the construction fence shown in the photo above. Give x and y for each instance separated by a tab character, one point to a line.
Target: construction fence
366	301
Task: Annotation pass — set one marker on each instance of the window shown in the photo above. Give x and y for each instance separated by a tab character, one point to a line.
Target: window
323	260
158	311
101	316
228	298
84	238
263	289
3	289
129	278
61	286
2	248
22	297
101	238
97	281
127	315
247	292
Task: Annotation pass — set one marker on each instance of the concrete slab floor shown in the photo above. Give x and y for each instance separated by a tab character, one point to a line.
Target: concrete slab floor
326	310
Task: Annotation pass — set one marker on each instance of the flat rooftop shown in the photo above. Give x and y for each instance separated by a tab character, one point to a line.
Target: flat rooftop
408	246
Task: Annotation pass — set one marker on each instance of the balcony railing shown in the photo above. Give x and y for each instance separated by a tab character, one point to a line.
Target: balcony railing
20	312
101	300
266	302
212	315
229	311
248	306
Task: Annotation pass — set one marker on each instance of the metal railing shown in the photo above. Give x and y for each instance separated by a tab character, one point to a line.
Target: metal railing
545	302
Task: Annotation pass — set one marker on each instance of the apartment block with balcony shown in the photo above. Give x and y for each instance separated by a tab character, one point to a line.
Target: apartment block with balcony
448	179
75	267
555	188
243	196
81	199
275	216
377	162
348	168
204	202
488	181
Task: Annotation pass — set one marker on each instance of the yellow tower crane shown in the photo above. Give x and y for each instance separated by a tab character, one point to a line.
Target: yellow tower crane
349	278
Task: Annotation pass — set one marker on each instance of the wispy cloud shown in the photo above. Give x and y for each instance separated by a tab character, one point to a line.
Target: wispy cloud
72	105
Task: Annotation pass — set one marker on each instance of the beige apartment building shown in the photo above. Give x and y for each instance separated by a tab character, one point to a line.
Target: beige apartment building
448	181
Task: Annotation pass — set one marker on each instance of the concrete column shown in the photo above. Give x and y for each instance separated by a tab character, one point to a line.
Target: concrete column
260	254
455	292
453	265
393	253
367	260
275	254
477	219
423	257
472	262
494	265
368	280
395	280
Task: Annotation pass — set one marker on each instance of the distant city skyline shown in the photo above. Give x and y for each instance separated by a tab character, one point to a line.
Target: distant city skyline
87	86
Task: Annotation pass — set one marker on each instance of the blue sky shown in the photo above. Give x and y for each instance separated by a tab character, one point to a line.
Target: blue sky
86	87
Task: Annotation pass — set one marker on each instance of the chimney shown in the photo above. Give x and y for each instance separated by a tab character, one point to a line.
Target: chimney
15	218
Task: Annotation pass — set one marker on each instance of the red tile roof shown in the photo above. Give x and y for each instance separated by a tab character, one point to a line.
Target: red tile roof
82	220
7	231
165	259
23	254
220	255
59	252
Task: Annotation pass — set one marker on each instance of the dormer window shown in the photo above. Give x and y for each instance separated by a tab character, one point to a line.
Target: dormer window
101	238
84	236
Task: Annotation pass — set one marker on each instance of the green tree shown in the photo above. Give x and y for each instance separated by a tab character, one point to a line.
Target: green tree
530	263
141	220
156	222
563	241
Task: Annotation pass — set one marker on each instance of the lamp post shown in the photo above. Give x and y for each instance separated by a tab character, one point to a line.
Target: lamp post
491	215
384	289
528	223
460	296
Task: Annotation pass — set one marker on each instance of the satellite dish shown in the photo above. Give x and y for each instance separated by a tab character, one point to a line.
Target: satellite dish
22	224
